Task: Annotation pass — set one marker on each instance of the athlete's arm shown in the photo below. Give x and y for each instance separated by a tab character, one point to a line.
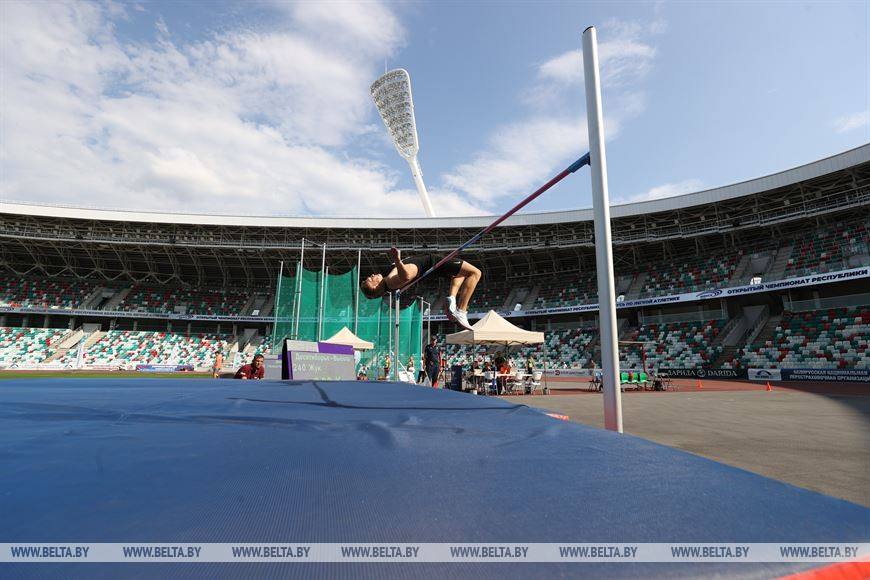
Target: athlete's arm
406	272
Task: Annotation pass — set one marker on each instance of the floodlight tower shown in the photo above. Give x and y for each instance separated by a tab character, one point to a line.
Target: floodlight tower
392	95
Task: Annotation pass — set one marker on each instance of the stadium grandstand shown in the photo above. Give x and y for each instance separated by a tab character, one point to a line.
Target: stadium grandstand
765	274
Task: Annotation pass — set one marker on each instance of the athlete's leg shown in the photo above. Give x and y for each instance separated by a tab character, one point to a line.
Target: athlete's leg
455	284
470	277
450	306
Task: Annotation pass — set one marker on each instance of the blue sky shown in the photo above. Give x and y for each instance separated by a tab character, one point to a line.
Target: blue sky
264	108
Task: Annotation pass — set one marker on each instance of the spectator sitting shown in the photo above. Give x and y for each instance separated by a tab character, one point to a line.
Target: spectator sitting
253	370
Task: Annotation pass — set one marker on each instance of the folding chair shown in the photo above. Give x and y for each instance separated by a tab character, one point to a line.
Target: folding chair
511	382
536	381
489	383
474	379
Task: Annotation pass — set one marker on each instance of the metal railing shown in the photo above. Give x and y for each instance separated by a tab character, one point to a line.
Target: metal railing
685	317
829	303
755	328
581	236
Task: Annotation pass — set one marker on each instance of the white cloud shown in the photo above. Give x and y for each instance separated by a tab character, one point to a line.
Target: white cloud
365	29
852	122
254	120
522	155
238	122
519	156
565	68
665	190
624	57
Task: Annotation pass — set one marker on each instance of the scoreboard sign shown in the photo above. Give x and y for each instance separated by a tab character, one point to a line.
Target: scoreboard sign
318	361
322	366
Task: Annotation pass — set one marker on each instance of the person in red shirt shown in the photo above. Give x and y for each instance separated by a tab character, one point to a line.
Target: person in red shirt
253	371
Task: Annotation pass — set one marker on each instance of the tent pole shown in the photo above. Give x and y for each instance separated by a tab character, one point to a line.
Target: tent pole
389	330
356	302
297	306
323	273
277	299
398	349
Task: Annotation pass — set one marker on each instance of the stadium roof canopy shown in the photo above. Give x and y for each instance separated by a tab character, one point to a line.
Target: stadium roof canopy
238	250
717	195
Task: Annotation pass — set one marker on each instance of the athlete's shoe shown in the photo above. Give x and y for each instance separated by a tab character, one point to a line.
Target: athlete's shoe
450	308
461	318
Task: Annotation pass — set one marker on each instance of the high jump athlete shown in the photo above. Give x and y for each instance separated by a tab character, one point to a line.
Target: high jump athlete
463	280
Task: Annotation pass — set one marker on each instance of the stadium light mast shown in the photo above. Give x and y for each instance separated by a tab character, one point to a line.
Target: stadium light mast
392	96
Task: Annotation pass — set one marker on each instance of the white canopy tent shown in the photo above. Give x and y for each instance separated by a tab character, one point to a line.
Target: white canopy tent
345	336
493	329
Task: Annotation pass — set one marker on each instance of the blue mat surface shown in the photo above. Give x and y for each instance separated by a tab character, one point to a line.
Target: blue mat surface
145	460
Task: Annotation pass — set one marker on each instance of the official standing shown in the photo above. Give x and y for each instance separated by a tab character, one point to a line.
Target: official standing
432	360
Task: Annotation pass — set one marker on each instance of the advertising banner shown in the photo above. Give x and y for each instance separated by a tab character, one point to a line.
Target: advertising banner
568	372
764	375
164	368
55	366
103	367
827	375
703	373
711	294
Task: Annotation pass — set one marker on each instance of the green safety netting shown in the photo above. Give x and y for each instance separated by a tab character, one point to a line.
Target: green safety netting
374	319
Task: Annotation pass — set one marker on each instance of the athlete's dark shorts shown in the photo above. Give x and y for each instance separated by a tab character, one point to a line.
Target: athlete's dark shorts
447	270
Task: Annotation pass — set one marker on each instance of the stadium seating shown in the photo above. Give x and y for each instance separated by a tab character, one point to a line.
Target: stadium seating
672	345
27	345
689	276
825	249
490	297
119	346
166	299
663	278
43	293
565	348
567	291
824	339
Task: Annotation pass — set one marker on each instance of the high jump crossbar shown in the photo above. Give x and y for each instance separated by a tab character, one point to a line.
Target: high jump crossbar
584	160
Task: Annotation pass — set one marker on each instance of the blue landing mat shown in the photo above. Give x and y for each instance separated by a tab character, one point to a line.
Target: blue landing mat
182	461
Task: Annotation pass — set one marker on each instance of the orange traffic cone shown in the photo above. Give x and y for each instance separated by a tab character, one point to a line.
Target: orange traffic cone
700	386
769	388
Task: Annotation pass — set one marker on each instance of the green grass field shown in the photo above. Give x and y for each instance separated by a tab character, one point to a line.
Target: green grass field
98	375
